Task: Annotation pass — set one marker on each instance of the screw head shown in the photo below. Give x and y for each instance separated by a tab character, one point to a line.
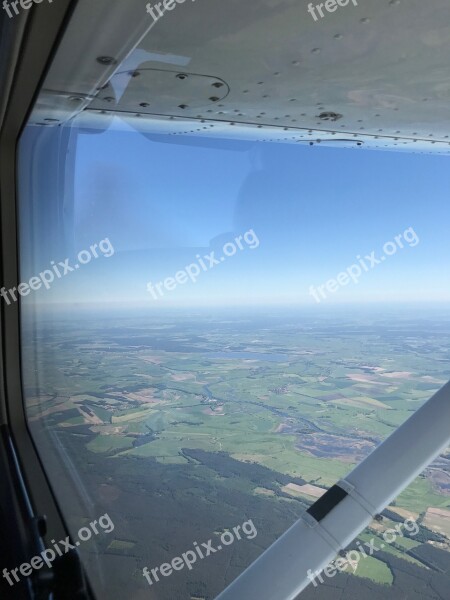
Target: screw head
330	116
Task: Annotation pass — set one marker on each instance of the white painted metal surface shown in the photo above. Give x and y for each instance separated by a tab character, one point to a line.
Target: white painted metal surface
376	73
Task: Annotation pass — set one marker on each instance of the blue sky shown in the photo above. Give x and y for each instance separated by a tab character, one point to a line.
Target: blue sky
313	209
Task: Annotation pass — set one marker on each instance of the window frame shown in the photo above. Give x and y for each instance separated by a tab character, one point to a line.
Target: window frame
29	42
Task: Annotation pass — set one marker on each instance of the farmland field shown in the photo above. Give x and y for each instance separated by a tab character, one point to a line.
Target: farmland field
183	424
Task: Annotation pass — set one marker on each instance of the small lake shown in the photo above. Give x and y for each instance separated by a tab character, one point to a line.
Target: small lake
249	356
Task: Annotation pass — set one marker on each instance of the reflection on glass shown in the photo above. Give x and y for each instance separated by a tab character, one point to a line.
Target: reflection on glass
225	340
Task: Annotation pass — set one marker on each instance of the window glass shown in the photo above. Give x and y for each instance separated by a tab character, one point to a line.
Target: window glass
214	334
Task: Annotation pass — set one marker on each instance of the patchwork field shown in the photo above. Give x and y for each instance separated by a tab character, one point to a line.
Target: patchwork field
199	420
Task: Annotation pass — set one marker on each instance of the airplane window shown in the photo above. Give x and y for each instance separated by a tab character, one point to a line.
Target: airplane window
189	363
223	311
